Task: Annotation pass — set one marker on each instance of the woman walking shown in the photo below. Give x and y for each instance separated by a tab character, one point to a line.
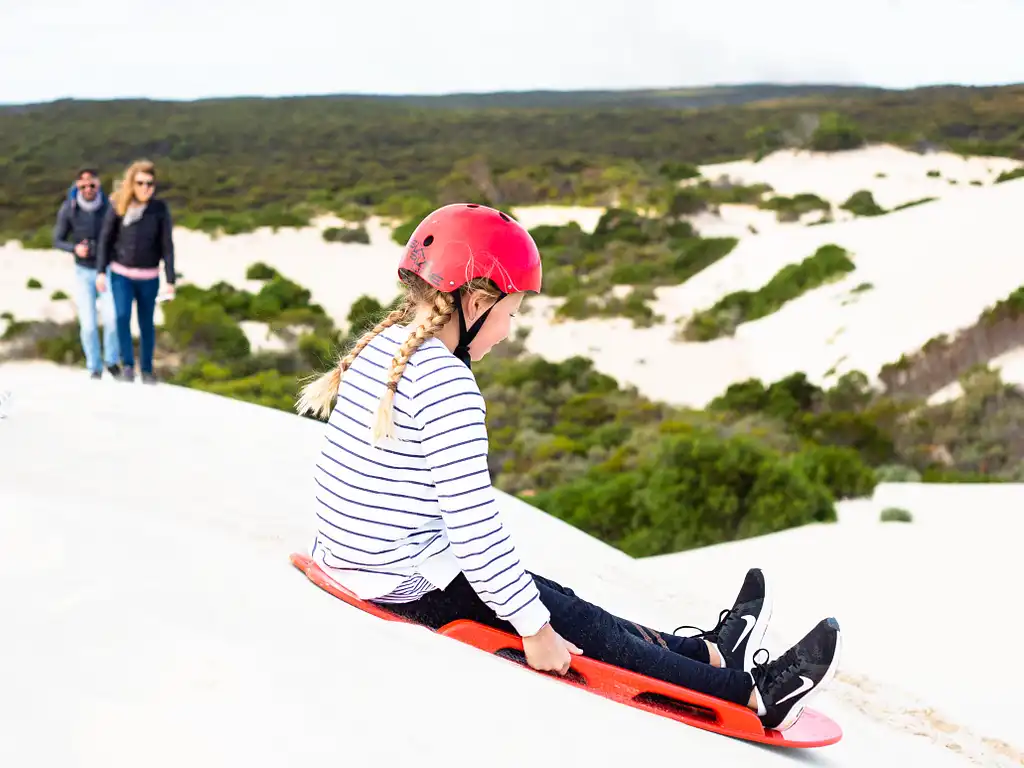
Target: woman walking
135	238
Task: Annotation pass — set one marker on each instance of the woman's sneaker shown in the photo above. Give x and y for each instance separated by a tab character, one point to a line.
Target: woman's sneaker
740	630
784	686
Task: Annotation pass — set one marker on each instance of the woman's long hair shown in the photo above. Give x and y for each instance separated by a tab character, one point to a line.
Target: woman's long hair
125	193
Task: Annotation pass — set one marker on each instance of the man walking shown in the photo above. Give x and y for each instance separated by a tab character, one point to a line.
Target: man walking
77	231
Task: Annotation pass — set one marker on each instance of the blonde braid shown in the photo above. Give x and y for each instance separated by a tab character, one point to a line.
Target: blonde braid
319	394
443	308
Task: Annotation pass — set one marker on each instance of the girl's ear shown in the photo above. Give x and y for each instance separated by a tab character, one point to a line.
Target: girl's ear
475	304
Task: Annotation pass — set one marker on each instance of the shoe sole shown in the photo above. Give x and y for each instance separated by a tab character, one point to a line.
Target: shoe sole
798	709
756	638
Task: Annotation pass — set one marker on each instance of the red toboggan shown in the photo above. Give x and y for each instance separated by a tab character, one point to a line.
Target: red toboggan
813	729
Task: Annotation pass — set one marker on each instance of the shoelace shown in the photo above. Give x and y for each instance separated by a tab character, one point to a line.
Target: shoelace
771	674
708	634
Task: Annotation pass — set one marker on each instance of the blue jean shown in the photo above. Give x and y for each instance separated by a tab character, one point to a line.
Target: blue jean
85	302
143	292
683	661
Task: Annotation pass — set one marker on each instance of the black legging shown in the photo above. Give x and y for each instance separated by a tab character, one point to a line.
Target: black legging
683	661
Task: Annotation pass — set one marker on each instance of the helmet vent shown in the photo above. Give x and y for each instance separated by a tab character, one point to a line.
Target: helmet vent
472	205
503	216
428	240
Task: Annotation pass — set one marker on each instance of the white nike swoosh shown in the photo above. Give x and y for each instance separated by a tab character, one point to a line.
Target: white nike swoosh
746	630
805	685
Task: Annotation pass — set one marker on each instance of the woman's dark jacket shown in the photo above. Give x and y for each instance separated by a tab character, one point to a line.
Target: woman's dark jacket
143	244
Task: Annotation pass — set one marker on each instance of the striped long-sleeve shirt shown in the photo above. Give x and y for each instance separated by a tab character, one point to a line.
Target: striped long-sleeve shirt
406	516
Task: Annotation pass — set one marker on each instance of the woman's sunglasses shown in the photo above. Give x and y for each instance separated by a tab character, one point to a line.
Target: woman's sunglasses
144	183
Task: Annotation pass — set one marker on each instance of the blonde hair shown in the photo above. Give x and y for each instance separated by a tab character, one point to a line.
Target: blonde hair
125	193
319	394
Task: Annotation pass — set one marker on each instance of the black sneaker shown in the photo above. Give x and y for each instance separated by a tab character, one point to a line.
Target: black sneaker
786	685
114	370
95	375
740	629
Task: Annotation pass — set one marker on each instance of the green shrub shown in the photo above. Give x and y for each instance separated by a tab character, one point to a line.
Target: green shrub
679	171
792	281
403	231
269	388
277	295
33	284
863	203
63	347
205	329
834	133
1016	173
841	470
897	473
895	515
260	271
792	208
58	295
347	235
913	203
38	239
356	214
688	490
687	201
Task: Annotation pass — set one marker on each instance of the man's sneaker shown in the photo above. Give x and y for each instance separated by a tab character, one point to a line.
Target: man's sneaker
740	629
786	685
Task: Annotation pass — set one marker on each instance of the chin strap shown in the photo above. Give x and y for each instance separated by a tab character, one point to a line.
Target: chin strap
466	336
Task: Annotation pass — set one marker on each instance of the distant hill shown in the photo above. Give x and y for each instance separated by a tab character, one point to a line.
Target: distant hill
239	163
661	98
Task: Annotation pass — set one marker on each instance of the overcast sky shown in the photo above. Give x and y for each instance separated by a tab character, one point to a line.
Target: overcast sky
185	49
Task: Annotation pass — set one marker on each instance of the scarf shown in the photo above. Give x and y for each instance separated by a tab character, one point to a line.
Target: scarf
89	205
133	214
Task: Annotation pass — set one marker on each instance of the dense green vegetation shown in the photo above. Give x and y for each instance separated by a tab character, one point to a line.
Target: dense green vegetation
625	249
828	263
644	476
235	164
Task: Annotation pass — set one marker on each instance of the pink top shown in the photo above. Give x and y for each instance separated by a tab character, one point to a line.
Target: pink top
135	273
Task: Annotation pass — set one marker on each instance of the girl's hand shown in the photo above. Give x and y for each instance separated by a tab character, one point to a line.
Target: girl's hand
547	651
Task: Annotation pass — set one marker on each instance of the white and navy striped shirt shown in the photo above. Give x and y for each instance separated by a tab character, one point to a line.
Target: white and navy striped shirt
404	517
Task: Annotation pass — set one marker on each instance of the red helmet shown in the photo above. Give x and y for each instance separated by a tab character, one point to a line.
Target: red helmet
463	241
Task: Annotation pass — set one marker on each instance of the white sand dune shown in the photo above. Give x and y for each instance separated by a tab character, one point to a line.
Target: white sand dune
932	269
155	618
558	215
835	176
